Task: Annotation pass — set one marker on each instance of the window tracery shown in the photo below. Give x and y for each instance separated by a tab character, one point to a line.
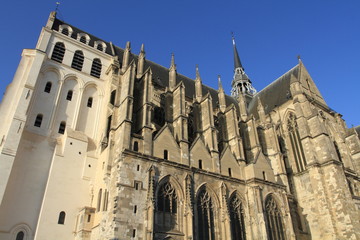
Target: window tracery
205	218
296	145
167	207
237	219
274	221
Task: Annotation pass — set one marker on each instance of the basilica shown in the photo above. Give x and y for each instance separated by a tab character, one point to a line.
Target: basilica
99	143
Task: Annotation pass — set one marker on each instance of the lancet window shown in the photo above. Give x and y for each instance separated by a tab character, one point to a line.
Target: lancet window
237	219
78	60
167	207
274	221
296	145
205	216
96	68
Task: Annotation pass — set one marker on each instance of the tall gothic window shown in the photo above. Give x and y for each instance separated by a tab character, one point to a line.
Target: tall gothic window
205	216
274	222
237	219
296	145
58	52
167	207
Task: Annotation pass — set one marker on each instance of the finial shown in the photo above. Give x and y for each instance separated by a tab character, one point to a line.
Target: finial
299	58
220	84
128	45
172	60
142	48
197	72
232	37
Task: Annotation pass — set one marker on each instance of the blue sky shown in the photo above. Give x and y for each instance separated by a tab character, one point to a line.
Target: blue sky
269	36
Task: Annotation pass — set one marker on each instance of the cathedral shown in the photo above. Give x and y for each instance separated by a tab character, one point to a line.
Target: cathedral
100	143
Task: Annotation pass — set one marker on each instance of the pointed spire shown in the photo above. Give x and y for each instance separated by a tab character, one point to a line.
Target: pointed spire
221	89
126	56
241	83
141	61
197	72
172	73
198	85
221	96
237	62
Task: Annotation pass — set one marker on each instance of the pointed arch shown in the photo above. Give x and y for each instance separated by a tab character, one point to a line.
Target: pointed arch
295	142
168	208
205	218
274	219
237	216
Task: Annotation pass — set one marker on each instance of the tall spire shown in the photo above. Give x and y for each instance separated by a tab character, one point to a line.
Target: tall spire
237	62
172	73
241	83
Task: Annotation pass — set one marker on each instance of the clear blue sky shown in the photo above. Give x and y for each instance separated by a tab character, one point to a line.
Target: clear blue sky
269	36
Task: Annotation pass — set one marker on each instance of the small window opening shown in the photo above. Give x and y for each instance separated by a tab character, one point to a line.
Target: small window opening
20	235
165	154
138	168
58	52
96	68
135	208
134	232
264	175
112	97
136	146
83	39
99	200
89	218
69	95
78	60
229	170
38	120
48	87
90	102
200	164
65	31
62	127
61	219
100	47
136	186
108	126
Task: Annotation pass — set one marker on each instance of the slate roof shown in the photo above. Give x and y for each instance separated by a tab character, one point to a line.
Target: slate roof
160	73
275	94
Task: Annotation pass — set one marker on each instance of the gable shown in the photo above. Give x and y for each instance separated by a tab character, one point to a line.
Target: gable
198	152
165	141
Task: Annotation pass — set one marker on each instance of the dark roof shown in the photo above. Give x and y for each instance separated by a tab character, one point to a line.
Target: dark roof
275	94
160	73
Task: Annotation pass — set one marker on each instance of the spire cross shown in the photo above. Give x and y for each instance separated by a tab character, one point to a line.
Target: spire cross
57	6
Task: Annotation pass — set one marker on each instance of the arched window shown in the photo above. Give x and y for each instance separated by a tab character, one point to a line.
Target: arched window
99	200
89	102
237	219
83	39
296	145
69	95
100	47
205	216
58	52
274	222
78	60
48	87
62	127
20	235
96	68
65	31
38	120
166	207
61	219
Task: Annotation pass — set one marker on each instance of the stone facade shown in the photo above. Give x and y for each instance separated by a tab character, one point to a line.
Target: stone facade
100	143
